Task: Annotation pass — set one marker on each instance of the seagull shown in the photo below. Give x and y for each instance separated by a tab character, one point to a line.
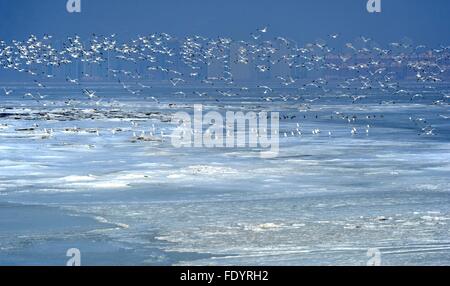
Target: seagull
144	86
356	98
153	98
359	71
266	88
41	96
334	36
255	37
7	92
263	30
74	81
89	93
176	81
365	40
39	84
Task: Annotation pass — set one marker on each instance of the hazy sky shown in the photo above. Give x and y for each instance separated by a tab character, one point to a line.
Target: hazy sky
424	21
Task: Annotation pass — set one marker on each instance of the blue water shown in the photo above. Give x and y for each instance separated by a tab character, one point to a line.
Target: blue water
325	200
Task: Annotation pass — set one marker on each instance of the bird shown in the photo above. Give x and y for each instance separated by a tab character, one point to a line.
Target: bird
334	36
74	81
8	92
263	30
220	70
89	93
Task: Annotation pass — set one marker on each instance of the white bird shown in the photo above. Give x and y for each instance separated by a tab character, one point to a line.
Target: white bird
263	30
74	81
176	81
334	36
8	92
89	93
153	98
144	86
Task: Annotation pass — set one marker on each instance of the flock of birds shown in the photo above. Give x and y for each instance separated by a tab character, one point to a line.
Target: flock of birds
278	70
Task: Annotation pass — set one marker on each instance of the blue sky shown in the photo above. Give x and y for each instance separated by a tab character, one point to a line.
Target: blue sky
423	21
